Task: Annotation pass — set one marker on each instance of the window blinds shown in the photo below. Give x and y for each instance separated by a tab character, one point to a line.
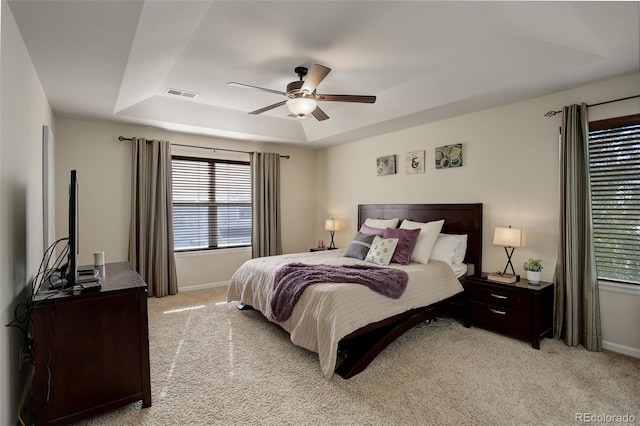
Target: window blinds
211	203
614	161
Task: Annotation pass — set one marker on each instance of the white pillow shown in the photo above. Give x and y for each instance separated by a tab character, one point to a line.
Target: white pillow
381	250
428	234
450	248
461	249
444	249
382	223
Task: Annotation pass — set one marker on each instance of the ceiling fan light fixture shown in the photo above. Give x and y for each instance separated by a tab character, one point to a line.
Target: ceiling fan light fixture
302	106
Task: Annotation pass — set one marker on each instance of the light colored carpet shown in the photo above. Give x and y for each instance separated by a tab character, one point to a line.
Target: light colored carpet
214	365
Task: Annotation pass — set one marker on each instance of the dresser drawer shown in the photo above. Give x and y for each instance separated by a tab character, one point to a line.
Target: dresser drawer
498	318
500	298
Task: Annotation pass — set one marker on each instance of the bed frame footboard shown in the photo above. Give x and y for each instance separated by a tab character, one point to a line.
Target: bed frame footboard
358	349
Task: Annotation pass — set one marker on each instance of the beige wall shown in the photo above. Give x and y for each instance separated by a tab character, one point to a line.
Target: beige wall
104	173
23	111
510	165
620	307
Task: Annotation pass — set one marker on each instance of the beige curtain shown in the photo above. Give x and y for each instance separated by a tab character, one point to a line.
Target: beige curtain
266	239
151	227
577	312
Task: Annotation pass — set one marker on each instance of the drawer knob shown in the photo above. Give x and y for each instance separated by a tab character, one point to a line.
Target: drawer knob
498	296
495	311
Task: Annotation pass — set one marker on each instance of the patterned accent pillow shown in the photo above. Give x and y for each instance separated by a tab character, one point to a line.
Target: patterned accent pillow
359	246
407	239
382	250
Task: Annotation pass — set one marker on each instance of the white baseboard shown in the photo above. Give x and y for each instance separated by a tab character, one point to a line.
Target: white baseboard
614	347
203	286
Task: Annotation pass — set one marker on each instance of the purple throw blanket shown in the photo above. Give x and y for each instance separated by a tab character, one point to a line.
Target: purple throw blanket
292	279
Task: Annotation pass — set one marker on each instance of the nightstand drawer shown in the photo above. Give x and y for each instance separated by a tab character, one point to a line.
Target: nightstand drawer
500	298
504	320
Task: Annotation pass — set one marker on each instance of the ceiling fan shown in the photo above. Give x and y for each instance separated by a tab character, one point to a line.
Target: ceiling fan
303	99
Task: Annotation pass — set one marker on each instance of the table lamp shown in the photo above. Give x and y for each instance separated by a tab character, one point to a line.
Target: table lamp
510	238
332	226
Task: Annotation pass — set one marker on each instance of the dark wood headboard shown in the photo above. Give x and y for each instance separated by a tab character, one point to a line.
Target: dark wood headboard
458	219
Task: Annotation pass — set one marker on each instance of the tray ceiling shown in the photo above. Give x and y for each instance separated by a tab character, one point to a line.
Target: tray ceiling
425	61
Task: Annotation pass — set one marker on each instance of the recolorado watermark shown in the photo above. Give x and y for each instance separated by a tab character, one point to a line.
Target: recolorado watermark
605	418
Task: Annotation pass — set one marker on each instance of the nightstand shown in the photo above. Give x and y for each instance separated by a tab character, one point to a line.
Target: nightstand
317	249
520	310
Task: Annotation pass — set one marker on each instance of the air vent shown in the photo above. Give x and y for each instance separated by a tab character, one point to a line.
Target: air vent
181	93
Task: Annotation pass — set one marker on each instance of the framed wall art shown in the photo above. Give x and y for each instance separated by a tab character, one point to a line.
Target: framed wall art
386	165
449	156
414	162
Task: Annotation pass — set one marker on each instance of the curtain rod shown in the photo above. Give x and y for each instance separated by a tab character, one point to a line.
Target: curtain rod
552	113
122	138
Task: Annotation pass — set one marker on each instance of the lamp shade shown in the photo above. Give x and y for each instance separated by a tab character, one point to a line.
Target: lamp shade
302	106
331	225
508	237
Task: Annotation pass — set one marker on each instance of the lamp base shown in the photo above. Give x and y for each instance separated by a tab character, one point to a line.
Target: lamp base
509	254
332	246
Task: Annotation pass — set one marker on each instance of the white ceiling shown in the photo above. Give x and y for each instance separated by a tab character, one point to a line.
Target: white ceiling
424	61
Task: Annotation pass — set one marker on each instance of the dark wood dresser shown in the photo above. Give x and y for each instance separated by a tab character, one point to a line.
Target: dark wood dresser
91	349
520	310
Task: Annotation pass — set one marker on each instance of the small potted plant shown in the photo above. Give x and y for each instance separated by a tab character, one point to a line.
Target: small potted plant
533	268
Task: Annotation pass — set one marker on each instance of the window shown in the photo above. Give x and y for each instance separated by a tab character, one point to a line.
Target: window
614	161
211	203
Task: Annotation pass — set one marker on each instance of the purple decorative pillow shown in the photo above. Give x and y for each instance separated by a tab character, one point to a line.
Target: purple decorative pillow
407	239
371	231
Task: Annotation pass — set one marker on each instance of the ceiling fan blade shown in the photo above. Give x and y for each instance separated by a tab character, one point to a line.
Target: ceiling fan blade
347	98
247	86
319	114
267	108
316	75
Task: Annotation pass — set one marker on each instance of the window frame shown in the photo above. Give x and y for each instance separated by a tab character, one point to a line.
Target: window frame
596	126
211	161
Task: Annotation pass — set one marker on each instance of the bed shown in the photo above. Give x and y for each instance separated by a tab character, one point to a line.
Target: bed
348	325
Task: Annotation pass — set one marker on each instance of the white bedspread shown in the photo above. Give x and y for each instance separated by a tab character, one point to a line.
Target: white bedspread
328	312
